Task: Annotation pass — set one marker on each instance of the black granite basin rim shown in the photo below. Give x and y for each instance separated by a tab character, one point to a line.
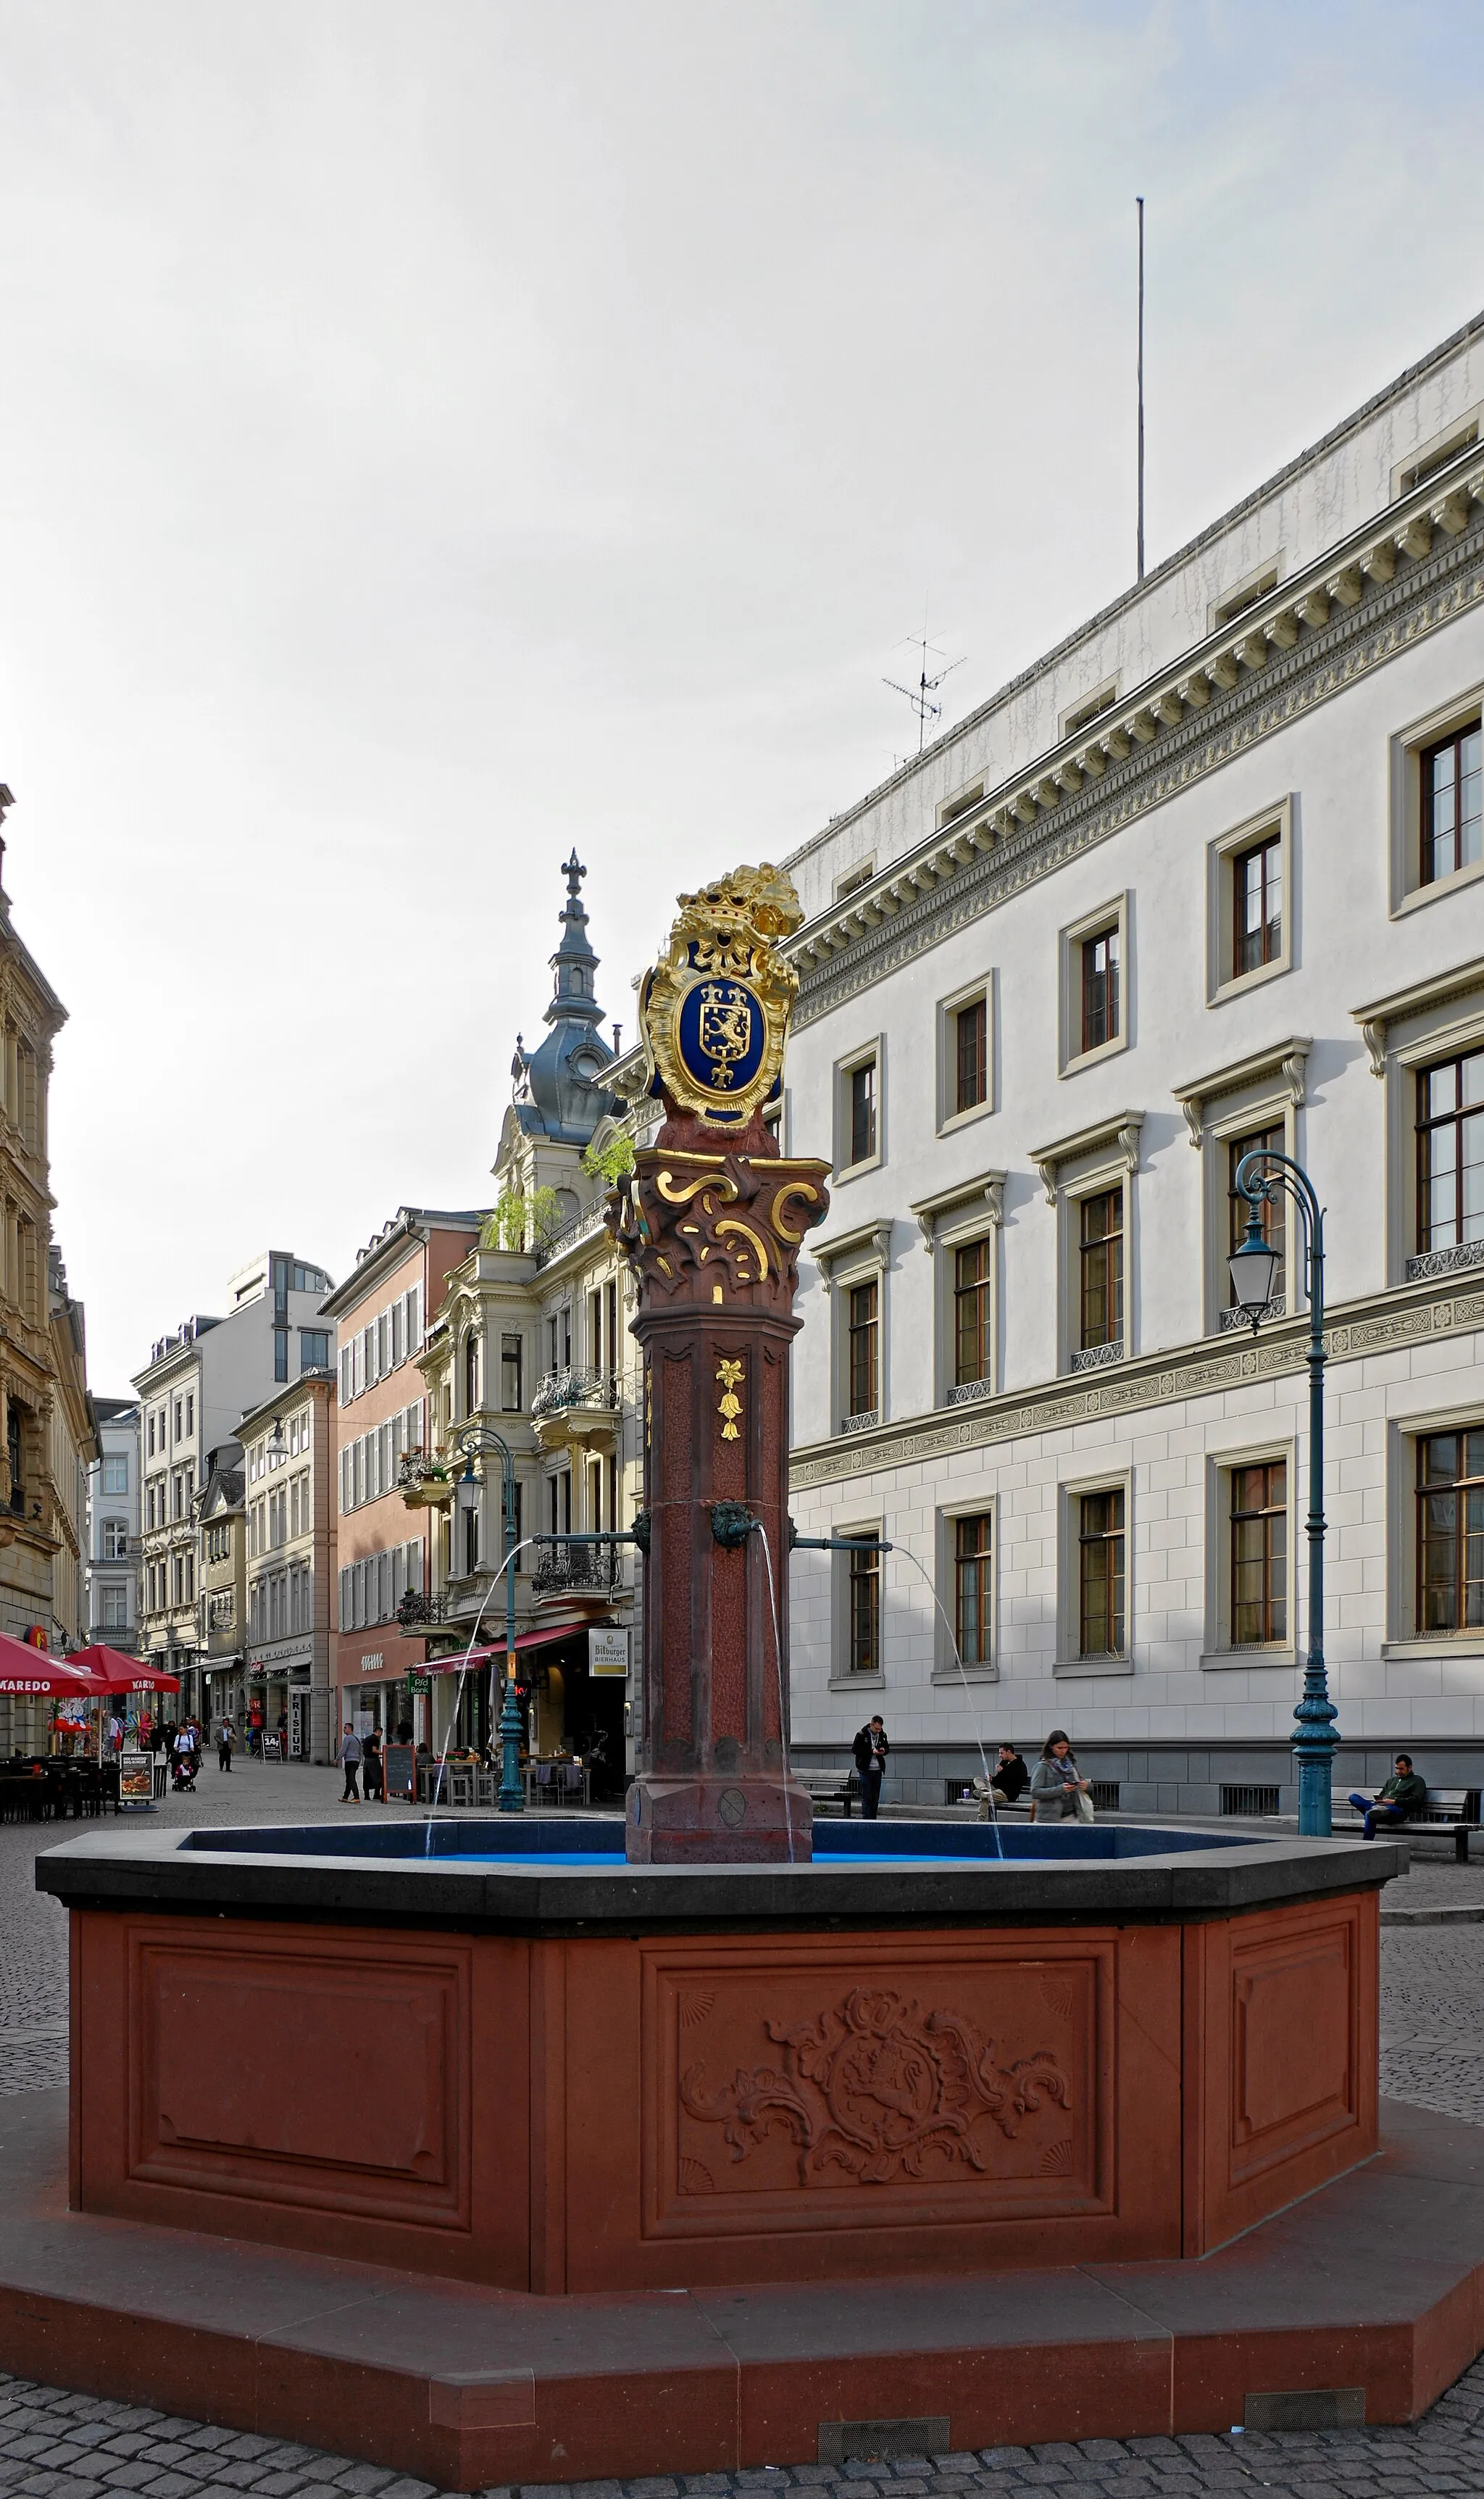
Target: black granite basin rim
264	1874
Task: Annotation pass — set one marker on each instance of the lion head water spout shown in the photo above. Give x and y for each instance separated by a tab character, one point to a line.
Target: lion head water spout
711	1219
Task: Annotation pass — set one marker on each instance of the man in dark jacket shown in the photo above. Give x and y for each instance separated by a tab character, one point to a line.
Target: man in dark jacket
1397	1797
870	1749
1009	1779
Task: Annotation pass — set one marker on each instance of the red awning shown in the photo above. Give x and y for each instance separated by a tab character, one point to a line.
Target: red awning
483	1656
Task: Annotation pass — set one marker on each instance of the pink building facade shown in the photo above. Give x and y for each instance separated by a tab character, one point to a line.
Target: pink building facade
385	1570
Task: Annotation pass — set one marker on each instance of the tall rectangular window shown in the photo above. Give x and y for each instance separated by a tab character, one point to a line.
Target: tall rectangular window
863	1329
1267	1141
1450	1152
1452	813
313	1348
596	1331
865	1612
510	1375
1259	1543
1257	905
1100	1277
1450	1532
1100	988
280	1354
971	1054
971	1588
115	1473
1101	1573
971	1312
862	1112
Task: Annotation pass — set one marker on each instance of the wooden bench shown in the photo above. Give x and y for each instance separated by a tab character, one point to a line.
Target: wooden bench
1452	1813
824	1788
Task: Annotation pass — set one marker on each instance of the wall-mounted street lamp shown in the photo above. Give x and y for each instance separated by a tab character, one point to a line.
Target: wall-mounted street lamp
1254	1265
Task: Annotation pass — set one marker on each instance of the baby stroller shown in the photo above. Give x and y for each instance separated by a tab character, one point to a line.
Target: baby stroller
183	1776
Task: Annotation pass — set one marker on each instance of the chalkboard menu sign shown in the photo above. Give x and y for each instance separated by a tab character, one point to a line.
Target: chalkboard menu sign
401	1771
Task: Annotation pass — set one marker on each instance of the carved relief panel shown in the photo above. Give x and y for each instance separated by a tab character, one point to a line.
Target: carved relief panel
872	2085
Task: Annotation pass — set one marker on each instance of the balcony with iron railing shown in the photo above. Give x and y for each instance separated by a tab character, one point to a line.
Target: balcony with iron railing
578	1228
584	1573
574	1403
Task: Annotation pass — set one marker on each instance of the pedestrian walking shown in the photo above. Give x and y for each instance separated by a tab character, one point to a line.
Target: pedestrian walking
184	1758
225	1739
1058	1789
870	1749
373	1779
1396	1798
350	1762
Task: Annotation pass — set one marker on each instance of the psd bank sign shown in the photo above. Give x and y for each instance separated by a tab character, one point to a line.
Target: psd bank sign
608	1652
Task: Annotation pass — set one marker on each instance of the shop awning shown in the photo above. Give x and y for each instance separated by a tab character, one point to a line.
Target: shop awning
492	1650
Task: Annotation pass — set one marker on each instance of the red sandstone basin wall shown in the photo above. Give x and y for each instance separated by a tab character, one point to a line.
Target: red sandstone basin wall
566	2114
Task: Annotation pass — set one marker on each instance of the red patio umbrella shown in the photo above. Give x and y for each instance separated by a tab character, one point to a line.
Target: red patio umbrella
110	1670
28	1673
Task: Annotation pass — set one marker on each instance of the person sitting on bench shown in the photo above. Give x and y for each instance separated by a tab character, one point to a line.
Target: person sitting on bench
1397	1797
1009	1779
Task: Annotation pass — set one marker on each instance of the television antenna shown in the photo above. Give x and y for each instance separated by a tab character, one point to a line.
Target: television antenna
921	696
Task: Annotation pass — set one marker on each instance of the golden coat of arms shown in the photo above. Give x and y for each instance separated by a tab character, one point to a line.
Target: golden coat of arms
715	1011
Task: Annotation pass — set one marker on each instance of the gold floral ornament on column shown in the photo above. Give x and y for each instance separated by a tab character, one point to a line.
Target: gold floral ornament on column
730	1374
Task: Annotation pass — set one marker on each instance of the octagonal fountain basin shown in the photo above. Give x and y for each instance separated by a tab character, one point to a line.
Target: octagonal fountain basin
493	2050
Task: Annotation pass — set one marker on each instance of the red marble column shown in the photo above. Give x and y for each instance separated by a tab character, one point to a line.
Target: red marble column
714	1239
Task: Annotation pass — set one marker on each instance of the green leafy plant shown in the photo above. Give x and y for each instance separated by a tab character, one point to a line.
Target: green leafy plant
611	1162
518	1222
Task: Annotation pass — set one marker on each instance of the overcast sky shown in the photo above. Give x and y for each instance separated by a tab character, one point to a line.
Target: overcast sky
433	433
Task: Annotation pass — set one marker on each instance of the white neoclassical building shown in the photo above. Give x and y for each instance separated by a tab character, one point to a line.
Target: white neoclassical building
1209	875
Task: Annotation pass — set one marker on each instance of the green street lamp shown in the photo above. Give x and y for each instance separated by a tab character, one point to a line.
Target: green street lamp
1254	1267
478	1442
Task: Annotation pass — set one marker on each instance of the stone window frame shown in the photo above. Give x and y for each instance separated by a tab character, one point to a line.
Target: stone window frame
1221	856
982	1505
1405	811
1117	913
1070	1490
1079	1166
1218	1653
1256	584
871	1052
949	1119
856	1257
1265	1089
972	1210
1402	1640
1404	1033
855	878
841	1676
1440	451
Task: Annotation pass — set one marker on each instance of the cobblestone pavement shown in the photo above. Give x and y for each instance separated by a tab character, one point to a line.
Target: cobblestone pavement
59	2445
55	2446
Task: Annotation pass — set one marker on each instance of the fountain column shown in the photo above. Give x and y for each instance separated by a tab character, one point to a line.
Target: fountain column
711	1219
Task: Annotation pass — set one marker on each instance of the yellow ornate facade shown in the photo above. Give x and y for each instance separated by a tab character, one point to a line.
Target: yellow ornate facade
49	1435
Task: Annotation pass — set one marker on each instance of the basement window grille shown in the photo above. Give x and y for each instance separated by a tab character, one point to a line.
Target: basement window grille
1105	1796
1250	1801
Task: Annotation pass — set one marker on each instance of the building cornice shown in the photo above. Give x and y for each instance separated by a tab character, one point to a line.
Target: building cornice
1409	573
1288	1059
986	1189
1375	1021
1378	1324
943	745
1117	1136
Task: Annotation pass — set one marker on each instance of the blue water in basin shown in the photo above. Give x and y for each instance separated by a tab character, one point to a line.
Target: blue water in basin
526	1842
